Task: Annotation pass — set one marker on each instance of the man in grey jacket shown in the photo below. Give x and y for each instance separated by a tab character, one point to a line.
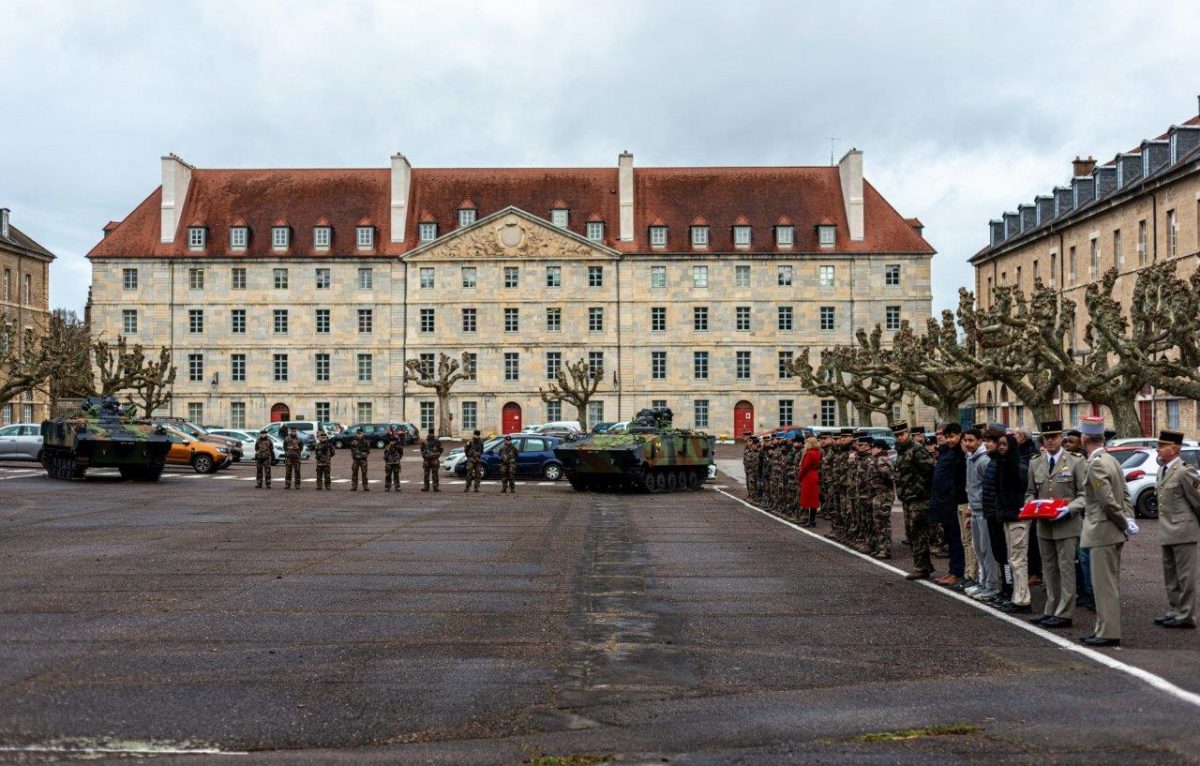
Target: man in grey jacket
988	570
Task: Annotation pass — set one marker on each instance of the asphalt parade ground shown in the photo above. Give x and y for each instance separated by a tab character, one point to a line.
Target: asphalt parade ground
202	620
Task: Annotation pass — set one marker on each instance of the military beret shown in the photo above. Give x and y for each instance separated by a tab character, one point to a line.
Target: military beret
1170	437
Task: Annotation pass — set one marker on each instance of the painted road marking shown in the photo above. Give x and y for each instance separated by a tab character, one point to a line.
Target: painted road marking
1156	681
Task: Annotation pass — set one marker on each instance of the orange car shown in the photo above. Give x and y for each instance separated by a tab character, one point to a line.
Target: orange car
202	456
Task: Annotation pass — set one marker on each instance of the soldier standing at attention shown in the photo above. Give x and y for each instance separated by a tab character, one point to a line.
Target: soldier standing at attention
914	474
825	442
323	454
883	490
508	466
431	452
836	478
393	453
264	453
1178	493
474	453
748	464
858	490
1107	524
1057	474
360	450
760	468
292	447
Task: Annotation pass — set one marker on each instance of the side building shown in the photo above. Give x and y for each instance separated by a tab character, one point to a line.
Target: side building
25	302
1140	208
301	293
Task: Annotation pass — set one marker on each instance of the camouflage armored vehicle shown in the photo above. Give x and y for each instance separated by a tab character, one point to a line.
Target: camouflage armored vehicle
102	435
650	457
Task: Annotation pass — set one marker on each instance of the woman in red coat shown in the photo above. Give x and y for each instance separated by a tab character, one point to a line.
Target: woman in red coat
808	476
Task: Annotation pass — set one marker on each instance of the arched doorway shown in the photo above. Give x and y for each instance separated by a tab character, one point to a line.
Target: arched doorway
743	418
990	409
280	411
510	418
1004	405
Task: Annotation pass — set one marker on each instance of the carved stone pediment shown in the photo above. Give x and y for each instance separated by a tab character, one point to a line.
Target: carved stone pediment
508	235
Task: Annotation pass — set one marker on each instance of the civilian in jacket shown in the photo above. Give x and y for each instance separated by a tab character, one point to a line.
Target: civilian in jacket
988	571
1010	497
948	498
808	477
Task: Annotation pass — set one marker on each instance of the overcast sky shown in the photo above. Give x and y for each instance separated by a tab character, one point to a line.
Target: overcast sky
963	110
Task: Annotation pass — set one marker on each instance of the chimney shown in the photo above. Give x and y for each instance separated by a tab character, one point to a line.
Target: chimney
1081	167
401	188
4	222
176	177
850	170
625	194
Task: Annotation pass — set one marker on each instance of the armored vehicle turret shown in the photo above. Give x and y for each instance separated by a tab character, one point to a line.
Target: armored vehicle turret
650	456
102	435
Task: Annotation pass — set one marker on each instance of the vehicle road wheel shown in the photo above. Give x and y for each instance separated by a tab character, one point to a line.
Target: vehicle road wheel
672	481
1147	505
693	481
552	472
660	481
202	464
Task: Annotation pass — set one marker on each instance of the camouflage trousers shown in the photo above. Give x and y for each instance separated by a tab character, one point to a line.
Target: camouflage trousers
831	506
358	468
751	483
323	476
881	537
429	471
508	473
262	472
391	474
474	474
291	472
919	535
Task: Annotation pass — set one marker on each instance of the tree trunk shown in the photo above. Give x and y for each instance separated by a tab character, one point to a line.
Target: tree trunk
444	416
948	412
1043	413
1125	418
843	418
581	414
864	416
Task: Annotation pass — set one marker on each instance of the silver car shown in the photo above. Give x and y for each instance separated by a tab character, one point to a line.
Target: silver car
248	441
21	441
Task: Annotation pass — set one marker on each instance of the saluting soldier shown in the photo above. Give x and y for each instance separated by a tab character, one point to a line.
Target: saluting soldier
360	450
323	454
292	447
431	452
393	453
264	453
508	466
1107	524
1059	475
914	478
1178	493
474	454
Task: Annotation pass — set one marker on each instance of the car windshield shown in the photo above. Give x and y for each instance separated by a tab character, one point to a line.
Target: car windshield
1130	458
188	428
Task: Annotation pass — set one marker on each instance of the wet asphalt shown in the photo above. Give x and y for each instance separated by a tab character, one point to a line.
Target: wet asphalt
200	613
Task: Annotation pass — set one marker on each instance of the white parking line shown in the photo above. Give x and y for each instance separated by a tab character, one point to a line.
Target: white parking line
1156	681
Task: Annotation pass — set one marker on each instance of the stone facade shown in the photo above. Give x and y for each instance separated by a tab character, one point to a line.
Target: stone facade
24	299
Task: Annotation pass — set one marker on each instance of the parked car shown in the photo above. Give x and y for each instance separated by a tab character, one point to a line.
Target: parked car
535	457
249	440
233	447
1144	442
21	441
603	427
202	456
1140	466
556	426
305	429
375	433
412	433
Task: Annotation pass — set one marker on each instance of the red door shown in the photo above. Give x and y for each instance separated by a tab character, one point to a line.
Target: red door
511	418
280	412
743	419
1146	415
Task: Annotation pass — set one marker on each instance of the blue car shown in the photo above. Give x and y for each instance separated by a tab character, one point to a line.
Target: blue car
535	457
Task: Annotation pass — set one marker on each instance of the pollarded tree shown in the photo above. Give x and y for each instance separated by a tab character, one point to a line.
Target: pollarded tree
152	384
577	384
449	371
936	365
68	364
854	376
22	360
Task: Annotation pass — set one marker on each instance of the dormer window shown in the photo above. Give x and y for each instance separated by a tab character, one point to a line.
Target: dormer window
239	236
784	236
196	237
658	236
428	231
595	231
322	236
826	235
280	237
1174	148
466	216
364	237
560	215
741	236
1145	161
699	233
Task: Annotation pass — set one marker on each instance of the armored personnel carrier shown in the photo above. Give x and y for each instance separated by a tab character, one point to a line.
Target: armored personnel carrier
102	435
650	457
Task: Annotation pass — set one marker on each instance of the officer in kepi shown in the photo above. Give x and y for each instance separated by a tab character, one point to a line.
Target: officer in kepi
1107	524
1178	491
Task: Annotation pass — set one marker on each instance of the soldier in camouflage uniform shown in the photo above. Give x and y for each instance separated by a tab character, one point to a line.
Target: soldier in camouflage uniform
474	454
914	477
750	465
883	485
508	466
791	488
431	453
360	450
858	483
292	447
323	454
264	453
826	444
837	484
393	453
760	456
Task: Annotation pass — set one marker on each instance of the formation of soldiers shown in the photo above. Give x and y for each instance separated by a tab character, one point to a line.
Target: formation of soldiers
360	453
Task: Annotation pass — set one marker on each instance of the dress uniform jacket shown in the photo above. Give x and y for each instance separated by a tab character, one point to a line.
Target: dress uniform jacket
1178	505
1107	503
1066	483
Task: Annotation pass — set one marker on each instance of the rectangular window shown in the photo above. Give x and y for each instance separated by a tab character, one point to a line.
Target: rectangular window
554	276
366	320
512	276
321	367
195	320
595	231
658	365
237	414
195	412
427	320
428	232
322	321
658	236
785	365
1142	245
1172	413
741	275
470	412
28	289
741	236
196	238
828	413
237	278
279	237
365	237
468	320
1094	258
321	237
323	279
279	278
553	319
1036	271
426	364
891	275
195	367
658	277
700	413
466	216
784	236
786	412
280	320
468	277
366	411
700	318
828	321
366	368
129	281
784	278
891	318
699	236
512	365
324	411
785	316
826	236
470	365
595	410
595	276
742	365
237	368
1071	272
658	402
1053	269
742	318
129	321
195	279
658	319
1118	256
512	320
826	278
699	276
553	364
595	363
559	217
237	321
700	365
366	279
426	277
553	411
1172	234
595	319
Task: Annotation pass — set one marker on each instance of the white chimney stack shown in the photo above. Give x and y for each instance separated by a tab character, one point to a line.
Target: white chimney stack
850	170
176	177
625	194
401	188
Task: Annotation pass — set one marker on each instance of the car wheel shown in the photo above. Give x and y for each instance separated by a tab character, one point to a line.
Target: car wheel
1147	505
203	464
552	472
379	444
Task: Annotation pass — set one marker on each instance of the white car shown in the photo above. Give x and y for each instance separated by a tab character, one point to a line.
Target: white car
248	440
1140	466
1144	442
